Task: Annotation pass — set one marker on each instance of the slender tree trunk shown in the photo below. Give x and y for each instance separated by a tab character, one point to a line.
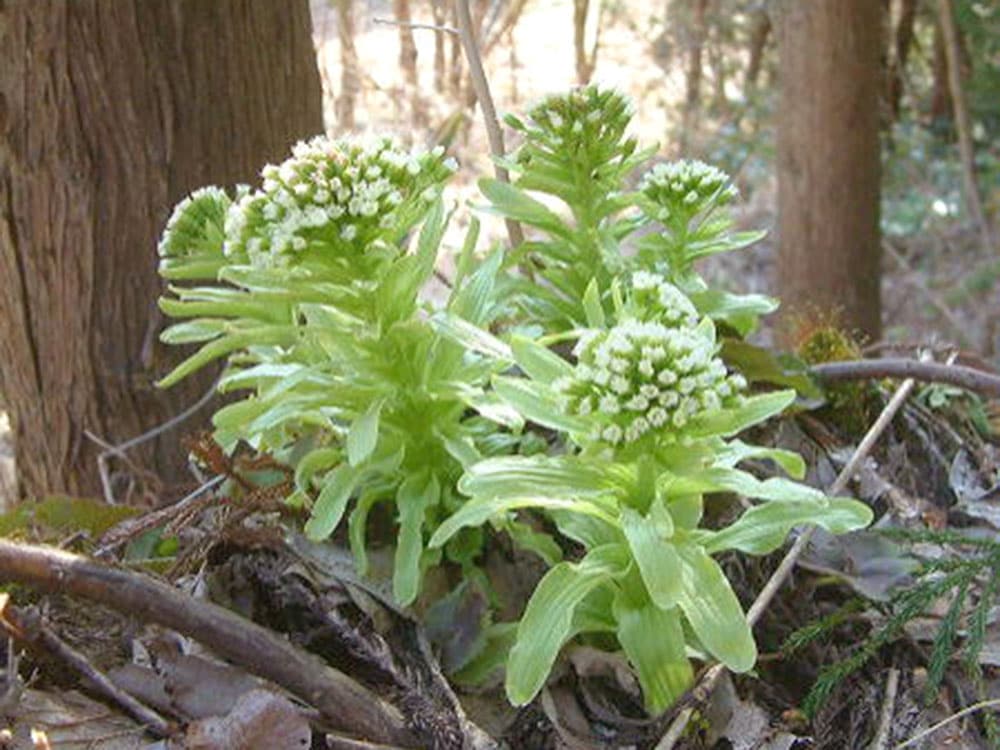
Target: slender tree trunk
941	107
963	126
408	63
760	31
693	73
828	163
350	83
439	9
902	42
113	110
586	16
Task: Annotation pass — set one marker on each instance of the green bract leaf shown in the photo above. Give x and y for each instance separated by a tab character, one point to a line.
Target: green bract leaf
363	435
658	562
536	403
653	641
592	305
548	619
478	512
763	528
727	422
555	476
538	362
470	336
515	204
416	494
714	612
331	503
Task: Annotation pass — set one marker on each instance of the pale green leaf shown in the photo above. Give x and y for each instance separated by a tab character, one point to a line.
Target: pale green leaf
515	204
416	494
592	307
727	422
763	528
363	435
478	512
713	611
548	619
552	476
653	641
538	362
659	564
536	403
331	503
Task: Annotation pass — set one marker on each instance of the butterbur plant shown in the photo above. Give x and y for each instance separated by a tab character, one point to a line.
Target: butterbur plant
613	422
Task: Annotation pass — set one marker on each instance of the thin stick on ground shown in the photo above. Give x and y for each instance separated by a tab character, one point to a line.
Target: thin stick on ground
982	705
707	683
26	625
888	709
969	378
481	87
346	704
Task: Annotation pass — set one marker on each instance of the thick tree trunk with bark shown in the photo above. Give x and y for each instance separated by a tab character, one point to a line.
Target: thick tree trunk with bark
110	112
828	162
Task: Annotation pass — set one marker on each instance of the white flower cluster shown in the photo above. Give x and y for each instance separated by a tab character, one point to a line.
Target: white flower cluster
686	187
196	224
654	298
640	377
341	193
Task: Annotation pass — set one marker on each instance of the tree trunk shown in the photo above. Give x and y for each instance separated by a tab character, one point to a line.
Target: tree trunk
941	108
439	9
963	124
902	42
110	112
760	30
695	42
408	63
828	163
350	69
586	16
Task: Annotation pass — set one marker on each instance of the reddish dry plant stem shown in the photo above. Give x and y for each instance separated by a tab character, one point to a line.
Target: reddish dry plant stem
342	701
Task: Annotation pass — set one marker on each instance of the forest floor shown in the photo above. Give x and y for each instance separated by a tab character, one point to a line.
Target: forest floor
936	468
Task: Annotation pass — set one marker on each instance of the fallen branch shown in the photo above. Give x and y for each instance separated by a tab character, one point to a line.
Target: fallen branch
346	704
704	687
971	379
26	625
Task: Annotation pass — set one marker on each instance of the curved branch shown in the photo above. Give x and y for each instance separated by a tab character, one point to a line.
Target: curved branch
482	89
345	703
971	379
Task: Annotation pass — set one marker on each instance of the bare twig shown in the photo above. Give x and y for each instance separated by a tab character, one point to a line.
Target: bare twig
26	625
888	709
119	450
481	87
412	25
706	684
969	378
944	722
345	703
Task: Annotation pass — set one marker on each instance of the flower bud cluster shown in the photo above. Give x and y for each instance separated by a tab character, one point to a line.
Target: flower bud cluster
341	193
586	123
196	224
644	377
686	188
656	299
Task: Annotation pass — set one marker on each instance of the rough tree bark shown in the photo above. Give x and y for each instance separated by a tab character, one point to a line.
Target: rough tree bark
110	112
828	162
